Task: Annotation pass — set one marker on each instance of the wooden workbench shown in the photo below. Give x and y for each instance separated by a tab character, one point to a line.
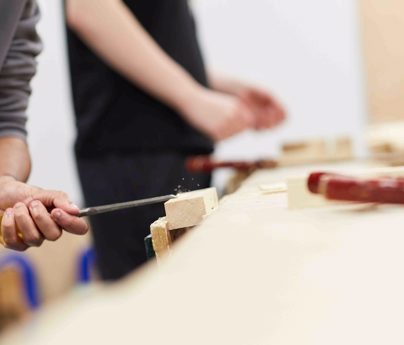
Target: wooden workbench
253	273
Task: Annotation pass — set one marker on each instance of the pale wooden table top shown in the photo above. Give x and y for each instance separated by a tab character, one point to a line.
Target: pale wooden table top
253	273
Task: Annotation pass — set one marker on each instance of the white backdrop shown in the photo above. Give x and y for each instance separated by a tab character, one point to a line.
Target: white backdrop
306	52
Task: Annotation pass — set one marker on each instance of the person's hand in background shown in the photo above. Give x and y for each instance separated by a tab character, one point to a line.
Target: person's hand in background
117	36
32	215
267	111
217	114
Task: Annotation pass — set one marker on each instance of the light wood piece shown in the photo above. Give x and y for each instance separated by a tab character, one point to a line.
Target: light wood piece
386	138
382	28
316	151
319	276
161	237
273	188
189	209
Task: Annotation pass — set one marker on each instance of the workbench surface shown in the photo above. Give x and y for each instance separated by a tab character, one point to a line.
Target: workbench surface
254	273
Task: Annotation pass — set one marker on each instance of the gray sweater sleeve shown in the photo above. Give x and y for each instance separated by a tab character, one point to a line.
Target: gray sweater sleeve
17	71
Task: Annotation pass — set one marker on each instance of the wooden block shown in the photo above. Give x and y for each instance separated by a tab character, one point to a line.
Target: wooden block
300	197
316	151
178	234
161	238
273	188
189	209
317	146
386	138
343	148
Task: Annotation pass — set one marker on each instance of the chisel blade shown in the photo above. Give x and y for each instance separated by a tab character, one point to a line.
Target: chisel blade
92	211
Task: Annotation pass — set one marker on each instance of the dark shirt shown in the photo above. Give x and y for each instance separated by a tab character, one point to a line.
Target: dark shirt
112	114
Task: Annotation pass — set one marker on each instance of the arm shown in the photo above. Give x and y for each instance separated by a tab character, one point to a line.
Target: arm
114	33
15	160
25	207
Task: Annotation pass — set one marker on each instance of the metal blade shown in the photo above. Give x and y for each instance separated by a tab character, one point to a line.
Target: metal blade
91	211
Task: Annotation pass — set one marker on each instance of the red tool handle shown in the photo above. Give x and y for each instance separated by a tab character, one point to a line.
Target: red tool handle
384	190
206	164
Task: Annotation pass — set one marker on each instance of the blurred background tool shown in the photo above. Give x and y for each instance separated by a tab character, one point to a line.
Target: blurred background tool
208	164
383	190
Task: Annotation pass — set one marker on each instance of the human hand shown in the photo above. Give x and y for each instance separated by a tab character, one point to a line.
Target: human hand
32	215
268	112
216	114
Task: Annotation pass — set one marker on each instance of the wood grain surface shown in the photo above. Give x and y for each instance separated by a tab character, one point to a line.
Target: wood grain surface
254	272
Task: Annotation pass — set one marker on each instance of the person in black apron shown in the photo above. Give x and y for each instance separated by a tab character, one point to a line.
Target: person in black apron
144	102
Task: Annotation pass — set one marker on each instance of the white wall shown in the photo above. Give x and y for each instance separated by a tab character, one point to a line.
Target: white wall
51	123
307	52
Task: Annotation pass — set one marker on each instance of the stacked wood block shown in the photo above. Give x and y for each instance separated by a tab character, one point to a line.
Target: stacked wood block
316	151
182	214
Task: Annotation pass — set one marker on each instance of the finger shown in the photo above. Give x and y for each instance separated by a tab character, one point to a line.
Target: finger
43	221
279	117
225	129
248	117
269	118
281	111
260	97
232	128
69	223
9	232
63	202
56	199
26	226
263	121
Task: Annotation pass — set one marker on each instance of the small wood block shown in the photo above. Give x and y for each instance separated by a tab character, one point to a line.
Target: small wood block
160	237
315	151
386	138
300	197
274	188
189	209
302	147
344	147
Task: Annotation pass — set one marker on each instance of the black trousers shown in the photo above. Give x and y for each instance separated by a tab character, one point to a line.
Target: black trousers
119	236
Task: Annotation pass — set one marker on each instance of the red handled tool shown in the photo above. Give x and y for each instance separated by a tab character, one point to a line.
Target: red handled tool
207	164
383	190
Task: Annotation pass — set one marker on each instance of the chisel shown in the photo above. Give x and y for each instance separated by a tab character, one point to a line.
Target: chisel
93	211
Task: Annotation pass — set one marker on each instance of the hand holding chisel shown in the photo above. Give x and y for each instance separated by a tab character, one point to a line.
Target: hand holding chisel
92	211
